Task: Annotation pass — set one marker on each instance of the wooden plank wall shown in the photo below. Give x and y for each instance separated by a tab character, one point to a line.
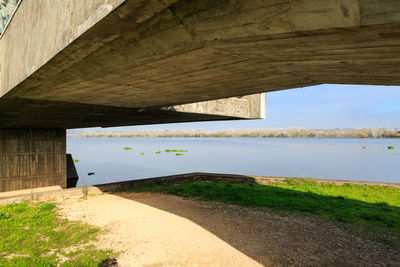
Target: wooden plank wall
32	158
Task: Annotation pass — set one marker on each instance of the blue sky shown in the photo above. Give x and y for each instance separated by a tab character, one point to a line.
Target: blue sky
322	106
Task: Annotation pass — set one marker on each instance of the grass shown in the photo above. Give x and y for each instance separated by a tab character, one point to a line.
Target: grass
76	160
373	210
35	235
175	151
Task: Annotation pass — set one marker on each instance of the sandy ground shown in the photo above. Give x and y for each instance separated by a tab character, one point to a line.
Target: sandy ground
161	230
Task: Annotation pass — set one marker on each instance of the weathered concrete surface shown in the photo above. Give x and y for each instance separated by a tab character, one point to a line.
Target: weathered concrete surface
141	54
32	158
251	106
51	31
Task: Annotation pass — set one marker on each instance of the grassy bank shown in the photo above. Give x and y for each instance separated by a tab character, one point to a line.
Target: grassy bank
373	211
35	235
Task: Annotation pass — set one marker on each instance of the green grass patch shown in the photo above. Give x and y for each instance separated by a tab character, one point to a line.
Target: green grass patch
374	210
179	154
142	153
76	160
35	235
390	147
128	148
174	151
158	152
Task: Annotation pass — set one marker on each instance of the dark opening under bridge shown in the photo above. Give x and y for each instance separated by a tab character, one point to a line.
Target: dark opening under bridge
72	64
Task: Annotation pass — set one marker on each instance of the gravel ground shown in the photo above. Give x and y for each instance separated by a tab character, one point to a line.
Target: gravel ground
161	230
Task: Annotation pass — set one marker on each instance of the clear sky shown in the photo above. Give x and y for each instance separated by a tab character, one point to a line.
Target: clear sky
322	106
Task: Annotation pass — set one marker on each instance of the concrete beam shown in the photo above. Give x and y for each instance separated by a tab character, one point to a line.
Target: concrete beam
249	107
29	113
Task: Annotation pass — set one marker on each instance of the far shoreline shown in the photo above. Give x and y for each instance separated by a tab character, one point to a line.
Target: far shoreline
227	137
365	133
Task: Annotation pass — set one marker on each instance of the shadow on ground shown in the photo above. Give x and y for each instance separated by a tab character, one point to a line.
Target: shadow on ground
283	238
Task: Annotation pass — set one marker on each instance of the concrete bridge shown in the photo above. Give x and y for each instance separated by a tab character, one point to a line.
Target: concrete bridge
72	64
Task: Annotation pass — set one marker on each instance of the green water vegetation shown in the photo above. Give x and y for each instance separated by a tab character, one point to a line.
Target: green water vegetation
390	147
372	211
158	152
35	235
364	147
128	148
142	153
76	160
180	154
174	151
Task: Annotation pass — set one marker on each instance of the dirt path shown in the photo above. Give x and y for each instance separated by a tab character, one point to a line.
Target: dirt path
161	230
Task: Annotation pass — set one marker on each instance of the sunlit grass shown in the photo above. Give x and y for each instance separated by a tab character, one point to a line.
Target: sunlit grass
35	235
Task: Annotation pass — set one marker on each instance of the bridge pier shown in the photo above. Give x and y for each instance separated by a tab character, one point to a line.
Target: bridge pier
32	158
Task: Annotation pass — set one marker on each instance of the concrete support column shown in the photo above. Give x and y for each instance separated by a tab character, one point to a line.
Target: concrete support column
31	158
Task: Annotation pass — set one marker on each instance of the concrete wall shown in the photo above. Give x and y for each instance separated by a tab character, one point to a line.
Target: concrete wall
31	158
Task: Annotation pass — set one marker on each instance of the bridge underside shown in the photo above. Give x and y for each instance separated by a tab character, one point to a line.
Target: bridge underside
72	63
141	54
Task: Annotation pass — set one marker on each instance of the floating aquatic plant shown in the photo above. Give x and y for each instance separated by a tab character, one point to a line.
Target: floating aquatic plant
76	160
390	147
179	154
174	150
128	148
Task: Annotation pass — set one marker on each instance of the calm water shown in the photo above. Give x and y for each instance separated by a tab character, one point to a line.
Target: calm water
315	158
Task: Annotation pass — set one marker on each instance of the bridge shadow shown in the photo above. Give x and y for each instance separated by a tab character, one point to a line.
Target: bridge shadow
293	229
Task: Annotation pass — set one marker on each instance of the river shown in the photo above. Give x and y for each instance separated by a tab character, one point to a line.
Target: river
342	159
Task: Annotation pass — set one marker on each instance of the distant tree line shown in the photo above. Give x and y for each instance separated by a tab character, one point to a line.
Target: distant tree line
375	132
